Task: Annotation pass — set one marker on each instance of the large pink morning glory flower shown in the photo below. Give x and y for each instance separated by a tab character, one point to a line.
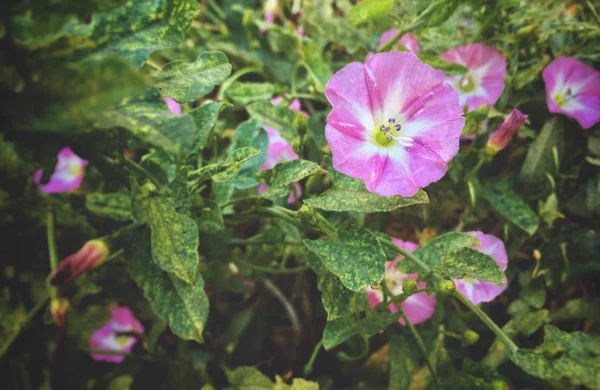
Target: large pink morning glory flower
573	89
418	307
408	40
484	81
395	124
116	335
477	291
67	175
280	150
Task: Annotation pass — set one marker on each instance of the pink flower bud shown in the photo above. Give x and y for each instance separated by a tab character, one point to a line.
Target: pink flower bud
501	137
271	9
60	309
91	255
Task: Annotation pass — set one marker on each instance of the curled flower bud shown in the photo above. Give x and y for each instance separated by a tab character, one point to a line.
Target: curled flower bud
60	309
91	255
409	286
501	137
470	337
446	286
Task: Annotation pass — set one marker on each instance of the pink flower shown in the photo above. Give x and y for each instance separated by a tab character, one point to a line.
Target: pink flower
91	255
173	106
475	290
502	137
418	307
573	89
118	334
67	175
484	81
395	124
280	150
408	40
299	32
271	9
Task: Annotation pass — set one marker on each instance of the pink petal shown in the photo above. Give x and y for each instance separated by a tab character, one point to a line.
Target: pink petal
418	307
125	319
173	106
477	291
408	40
375	296
493	246
67	175
567	73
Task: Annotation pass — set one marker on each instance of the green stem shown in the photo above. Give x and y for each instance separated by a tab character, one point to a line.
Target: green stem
227	83
309	366
294	76
307	96
512	347
11	339
269	270
239	241
213	4
141	170
422	347
52	254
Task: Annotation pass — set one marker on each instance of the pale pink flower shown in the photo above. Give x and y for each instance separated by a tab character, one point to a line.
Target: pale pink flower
418	307
270	9
408	40
118	334
573	89
299	32
484	81
280	150
173	106
477	291
503	135
395	124
91	255
67	175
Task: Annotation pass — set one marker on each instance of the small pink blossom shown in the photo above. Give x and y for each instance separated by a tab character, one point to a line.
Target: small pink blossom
573	89
484	81
477	291
299	32
91	255
270	9
67	175
408	40
503	135
280	150
395	124
173	106
118	334
418	307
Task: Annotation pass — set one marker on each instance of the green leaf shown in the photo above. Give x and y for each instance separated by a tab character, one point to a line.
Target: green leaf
563	359
319	69
368	10
579	309
354	255
432	252
251	134
350	194
248	378
68	98
511	206
288	172
187	82
278	117
148	118
136	29
116	205
210	219
244	93
468	262
404	359
185	306
225	171
527	76
174	234
540	159
205	117
341	329
338	300
437	63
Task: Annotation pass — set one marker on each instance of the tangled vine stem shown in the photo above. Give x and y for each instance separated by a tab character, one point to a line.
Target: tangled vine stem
52	253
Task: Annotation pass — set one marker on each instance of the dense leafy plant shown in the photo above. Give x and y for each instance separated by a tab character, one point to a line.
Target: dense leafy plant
280	195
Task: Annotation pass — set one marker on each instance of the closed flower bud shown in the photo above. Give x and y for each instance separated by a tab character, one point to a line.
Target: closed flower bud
470	337
501	137
446	287
91	255
409	287
60	309
271	9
